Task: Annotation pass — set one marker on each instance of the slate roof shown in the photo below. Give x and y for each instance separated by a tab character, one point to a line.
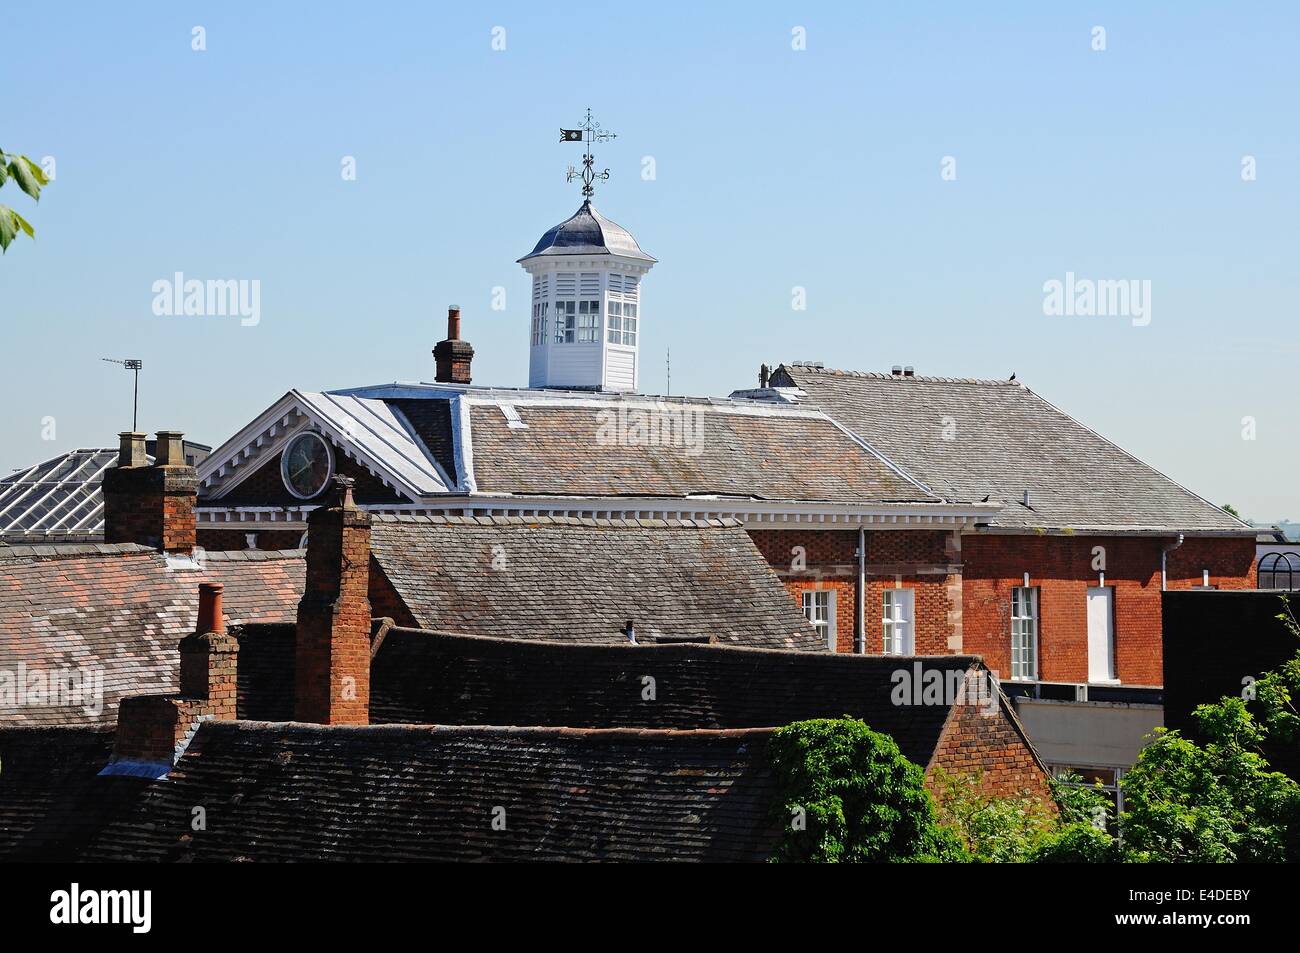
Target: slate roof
431	678
740	452
1007	440
587	232
117	612
448	443
410	793
580	580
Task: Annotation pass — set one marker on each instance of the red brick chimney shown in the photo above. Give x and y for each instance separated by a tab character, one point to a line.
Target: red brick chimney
151	505
453	356
332	677
153	730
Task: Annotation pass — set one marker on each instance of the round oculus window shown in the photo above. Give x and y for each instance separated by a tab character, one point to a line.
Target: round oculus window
307	465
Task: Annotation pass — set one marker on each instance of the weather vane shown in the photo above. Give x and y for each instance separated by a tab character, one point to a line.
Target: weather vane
588	133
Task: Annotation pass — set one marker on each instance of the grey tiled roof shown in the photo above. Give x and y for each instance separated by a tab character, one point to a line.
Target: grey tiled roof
430	678
1006	440
581	580
52	799
744	453
409	793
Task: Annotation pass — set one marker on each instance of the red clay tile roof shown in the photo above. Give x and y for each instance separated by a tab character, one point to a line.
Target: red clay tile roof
113	614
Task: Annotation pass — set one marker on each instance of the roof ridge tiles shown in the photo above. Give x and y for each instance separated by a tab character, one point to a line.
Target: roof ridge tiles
46	550
419	729
903	379
252	555
598	522
953	661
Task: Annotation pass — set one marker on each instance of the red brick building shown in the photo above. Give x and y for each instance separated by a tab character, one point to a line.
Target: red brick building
1063	582
905	515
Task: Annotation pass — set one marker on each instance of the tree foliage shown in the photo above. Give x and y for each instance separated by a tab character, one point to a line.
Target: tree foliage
847	794
1218	801
1021	828
29	177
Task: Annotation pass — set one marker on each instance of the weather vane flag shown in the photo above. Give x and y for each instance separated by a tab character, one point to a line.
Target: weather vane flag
587	133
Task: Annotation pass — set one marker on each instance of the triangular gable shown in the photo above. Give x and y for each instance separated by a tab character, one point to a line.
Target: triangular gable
365	430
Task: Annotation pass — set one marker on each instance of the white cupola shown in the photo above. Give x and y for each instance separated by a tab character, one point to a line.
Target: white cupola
586	304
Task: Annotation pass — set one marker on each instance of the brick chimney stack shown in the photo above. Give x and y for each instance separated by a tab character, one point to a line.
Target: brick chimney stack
209	657
332	677
153	730
453	356
151	505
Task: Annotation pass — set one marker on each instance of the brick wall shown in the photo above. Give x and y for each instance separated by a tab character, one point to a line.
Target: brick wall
226	540
1231	563
1062	569
907	559
992	747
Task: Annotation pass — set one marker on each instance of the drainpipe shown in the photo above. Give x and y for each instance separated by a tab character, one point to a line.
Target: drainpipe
1164	553
860	597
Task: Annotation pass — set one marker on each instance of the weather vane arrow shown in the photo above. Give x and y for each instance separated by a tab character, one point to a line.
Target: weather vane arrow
587	133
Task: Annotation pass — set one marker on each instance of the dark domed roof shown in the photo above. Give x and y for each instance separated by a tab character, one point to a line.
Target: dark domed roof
587	232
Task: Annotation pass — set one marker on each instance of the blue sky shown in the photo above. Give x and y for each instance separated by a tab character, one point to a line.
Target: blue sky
775	168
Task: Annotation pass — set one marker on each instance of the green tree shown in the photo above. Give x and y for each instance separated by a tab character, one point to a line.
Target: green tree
1021	828
1231	510
991	828
1211	803
847	794
29	177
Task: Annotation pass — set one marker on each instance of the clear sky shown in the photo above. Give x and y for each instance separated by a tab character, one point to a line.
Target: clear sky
775	168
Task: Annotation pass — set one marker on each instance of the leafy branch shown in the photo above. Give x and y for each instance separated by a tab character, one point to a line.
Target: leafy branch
29	177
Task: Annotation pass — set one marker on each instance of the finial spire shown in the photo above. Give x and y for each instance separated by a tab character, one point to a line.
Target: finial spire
587	133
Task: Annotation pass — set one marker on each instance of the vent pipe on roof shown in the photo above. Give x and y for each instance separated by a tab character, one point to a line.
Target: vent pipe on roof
764	375
909	371
897	370
630	631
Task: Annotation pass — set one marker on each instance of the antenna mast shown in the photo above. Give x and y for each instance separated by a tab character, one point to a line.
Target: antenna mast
132	364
